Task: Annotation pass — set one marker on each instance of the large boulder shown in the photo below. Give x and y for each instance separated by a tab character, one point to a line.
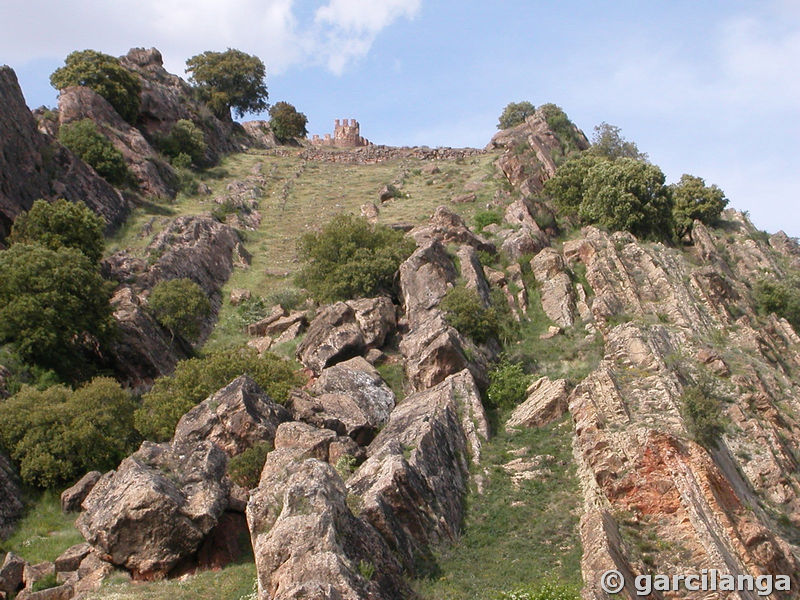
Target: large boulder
412	487
346	329
546	401
11	573
73	497
33	165
235	418
154	176
307	542
10	497
425	278
155	510
349	398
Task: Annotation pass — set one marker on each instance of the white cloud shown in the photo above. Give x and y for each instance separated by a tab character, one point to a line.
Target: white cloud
338	34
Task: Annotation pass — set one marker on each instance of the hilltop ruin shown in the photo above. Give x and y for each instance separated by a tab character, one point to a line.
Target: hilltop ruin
346	134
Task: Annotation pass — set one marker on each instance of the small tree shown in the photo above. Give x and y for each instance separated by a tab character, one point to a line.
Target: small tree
515	113
180	305
507	385
54	306
286	122
630	195
694	200
185	139
106	76
608	142
350	258
61	224
568	186
464	310
95	149
229	80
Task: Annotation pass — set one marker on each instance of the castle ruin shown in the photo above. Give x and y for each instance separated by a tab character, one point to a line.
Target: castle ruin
346	134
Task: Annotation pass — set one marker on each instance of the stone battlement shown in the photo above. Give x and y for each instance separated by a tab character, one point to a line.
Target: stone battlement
346	134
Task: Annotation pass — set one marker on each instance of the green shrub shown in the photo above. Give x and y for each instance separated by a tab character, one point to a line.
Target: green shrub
185	145
487	217
568	186
694	200
197	378
350	258
565	130
286	122
56	435
702	412
180	305
515	113
245	469
287	298
507	385
54	307
60	224
95	149
106	76
464	311
779	297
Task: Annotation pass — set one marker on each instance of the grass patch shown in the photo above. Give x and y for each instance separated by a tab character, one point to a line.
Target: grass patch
395	377
44	532
515	536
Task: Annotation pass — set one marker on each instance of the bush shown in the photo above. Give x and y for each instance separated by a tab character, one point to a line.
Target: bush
565	130
692	200
180	305
629	195
286	122
608	142
515	113
350	258
56	435
702	413
568	186
60	224
197	378
507	385
54	307
487	217
245	469
464	310
779	297
106	76
95	149
185	145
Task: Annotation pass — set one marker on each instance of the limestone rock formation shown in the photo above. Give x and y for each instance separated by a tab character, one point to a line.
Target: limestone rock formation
155	510
412	486
234	418
33	165
307	542
346	329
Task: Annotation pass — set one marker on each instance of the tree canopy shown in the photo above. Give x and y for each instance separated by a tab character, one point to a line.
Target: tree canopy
608	142
95	149
61	224
229	80
515	113
54	306
286	122
693	199
106	76
180	305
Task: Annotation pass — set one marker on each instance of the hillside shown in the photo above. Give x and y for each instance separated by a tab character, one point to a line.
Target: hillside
632	405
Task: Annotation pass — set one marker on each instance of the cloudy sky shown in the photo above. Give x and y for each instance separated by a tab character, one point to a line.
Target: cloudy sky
709	88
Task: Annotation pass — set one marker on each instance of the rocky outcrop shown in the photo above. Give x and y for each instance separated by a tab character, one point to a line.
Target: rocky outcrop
349	398
412	486
447	227
545	402
154	176
73	497
234	418
156	509
33	165
11	574
308	543
346	329
10	497
556	291
531	150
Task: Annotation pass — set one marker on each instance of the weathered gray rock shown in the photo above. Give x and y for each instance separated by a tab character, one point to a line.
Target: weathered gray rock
546	401
521	243
11	573
73	497
344	330
557	292
10	497
259	328
157	507
33	165
307	542
235	418
62	592
312	441
72	557
412	487
447	227
425	278
472	273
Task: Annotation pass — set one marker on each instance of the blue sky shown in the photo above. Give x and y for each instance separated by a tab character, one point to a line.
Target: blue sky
709	88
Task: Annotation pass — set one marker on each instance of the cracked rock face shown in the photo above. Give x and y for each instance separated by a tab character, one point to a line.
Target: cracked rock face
10	497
